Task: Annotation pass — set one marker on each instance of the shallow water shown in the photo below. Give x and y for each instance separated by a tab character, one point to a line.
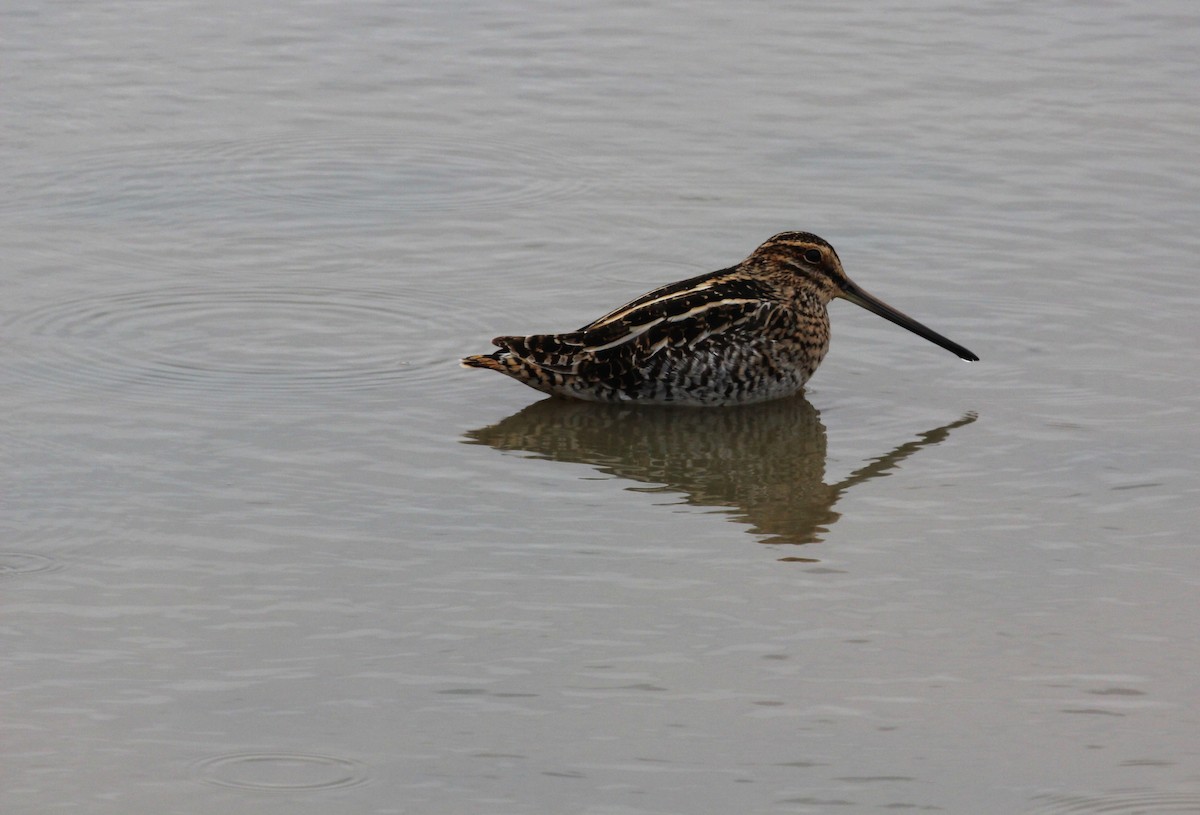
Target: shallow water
266	548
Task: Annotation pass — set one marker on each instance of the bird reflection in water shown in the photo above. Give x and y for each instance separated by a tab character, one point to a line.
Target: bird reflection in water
764	462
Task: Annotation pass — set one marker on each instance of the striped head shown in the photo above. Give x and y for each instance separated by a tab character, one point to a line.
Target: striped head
808	261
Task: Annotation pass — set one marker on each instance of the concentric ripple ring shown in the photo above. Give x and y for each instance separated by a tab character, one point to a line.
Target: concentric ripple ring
280	772
233	341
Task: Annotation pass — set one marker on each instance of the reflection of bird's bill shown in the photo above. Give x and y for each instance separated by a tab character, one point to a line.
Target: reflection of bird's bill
852	292
889	461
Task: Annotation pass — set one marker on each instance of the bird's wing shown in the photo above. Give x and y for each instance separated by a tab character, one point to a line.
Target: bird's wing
678	316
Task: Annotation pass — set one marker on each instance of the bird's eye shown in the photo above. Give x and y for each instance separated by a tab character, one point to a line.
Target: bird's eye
813	255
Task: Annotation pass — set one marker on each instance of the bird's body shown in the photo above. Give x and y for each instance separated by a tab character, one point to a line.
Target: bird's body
749	333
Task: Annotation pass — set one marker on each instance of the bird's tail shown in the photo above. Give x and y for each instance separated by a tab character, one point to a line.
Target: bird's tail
491	361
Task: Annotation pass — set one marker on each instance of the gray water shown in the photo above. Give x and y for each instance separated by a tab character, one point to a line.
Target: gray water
267	549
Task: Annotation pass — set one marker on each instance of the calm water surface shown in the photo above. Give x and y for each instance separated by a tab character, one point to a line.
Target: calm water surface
265	548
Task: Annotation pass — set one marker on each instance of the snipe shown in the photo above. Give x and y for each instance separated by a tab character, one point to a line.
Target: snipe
749	333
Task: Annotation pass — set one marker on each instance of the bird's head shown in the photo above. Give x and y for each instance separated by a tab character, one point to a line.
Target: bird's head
818	270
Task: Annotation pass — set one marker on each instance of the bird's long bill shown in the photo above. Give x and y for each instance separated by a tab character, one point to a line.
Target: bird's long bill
854	294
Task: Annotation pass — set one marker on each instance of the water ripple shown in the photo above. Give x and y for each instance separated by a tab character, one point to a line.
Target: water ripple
16	563
1127	803
364	177
280	772
235	340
